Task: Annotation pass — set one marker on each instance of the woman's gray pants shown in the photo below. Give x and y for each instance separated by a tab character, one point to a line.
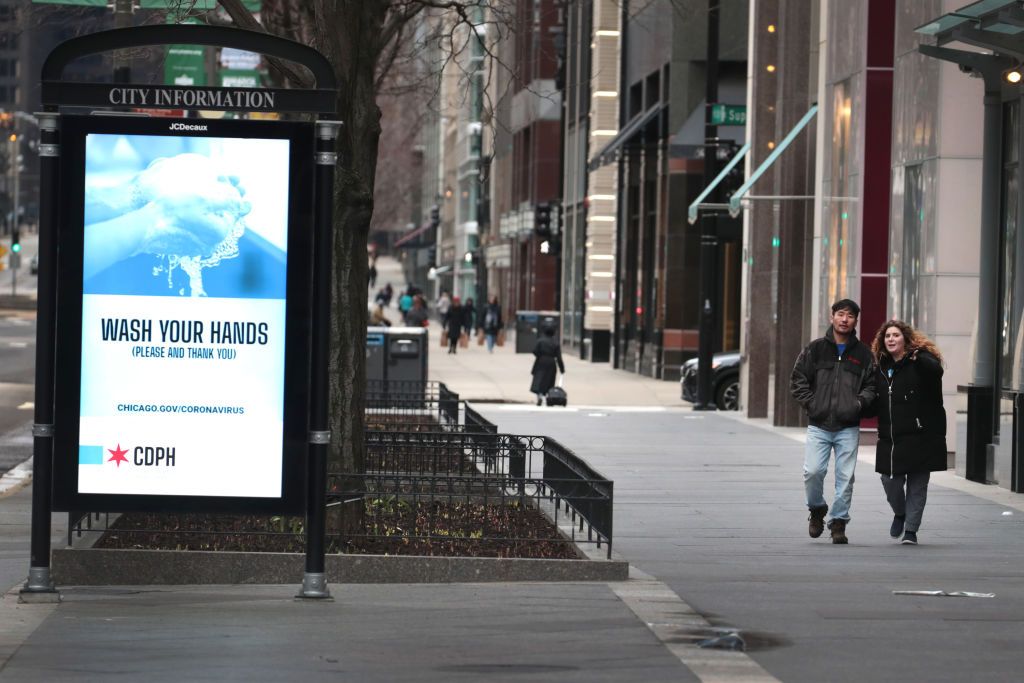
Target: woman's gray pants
907	494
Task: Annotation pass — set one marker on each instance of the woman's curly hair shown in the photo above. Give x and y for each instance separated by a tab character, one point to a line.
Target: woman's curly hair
913	341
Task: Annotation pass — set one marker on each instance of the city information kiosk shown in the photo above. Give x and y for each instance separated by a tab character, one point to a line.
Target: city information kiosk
183	298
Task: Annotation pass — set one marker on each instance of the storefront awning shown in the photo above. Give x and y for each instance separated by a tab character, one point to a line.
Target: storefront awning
439	270
412	234
608	153
697	205
999	19
734	201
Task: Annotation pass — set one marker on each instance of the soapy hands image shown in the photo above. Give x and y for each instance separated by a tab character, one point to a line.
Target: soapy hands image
180	205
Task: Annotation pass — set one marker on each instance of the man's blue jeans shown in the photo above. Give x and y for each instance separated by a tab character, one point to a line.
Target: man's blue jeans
820	444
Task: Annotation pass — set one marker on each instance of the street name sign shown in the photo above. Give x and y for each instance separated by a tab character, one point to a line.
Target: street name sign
728	115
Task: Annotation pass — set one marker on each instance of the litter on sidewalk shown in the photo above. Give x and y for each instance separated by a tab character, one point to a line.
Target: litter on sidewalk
946	594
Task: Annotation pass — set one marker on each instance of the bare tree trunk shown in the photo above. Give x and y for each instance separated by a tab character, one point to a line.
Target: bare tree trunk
355	60
352	35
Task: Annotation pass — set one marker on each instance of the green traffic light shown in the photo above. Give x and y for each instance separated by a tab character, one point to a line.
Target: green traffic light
16	247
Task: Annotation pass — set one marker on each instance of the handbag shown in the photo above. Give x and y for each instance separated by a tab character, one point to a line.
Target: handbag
480	338
501	337
464	340
444	338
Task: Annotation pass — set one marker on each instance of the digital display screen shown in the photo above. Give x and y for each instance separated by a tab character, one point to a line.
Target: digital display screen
184	272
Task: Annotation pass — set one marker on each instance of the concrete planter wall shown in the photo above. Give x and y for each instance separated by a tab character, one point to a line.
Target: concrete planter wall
96	567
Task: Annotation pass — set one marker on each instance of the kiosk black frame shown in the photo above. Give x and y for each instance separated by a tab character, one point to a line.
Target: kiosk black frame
67	494
57	93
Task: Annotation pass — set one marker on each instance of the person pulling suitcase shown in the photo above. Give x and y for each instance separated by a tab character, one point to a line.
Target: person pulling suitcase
547	363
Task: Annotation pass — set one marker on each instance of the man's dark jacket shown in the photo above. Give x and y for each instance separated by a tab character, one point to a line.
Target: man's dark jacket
833	390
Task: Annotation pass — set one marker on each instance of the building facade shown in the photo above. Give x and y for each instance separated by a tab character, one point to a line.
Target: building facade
525	161
589	196
654	161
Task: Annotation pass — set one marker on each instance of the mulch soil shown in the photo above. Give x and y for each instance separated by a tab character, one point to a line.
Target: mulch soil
392	527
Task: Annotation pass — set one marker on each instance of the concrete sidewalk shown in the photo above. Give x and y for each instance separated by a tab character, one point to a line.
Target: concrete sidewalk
504	375
708	510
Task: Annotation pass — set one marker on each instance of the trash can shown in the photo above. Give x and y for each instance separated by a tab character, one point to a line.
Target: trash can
406	354
376	353
529	325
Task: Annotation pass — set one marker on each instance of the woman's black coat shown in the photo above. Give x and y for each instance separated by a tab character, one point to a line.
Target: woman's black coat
456	318
911	419
548	355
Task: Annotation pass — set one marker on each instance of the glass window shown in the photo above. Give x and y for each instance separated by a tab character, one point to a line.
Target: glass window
1012	289
913	224
837	250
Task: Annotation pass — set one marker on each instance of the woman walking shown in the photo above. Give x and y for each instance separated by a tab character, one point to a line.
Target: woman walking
548	356
911	422
492	323
454	324
468	318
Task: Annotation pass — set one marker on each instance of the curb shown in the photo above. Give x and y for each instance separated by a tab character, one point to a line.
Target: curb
17	303
96	567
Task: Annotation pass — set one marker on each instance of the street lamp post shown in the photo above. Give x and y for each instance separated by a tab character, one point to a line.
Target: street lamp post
709	226
15	257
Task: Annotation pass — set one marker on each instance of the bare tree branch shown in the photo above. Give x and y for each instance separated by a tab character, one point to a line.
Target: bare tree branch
243	18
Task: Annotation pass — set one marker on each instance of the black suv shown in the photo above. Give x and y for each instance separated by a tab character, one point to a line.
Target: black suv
725	380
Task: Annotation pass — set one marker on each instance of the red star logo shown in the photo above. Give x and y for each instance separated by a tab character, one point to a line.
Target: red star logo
118	454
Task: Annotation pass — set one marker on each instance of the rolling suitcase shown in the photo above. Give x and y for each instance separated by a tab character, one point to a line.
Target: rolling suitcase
556	395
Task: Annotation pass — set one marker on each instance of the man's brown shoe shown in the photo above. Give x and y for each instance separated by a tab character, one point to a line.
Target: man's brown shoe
838	527
816	521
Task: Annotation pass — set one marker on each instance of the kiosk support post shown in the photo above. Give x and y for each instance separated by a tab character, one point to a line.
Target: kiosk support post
39	586
314	581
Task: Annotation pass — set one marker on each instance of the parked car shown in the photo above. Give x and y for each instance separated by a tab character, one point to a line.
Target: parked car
725	380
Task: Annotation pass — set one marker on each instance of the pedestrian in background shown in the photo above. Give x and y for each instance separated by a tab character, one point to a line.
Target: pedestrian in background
371	275
417	315
454	324
833	381
377	317
547	357
405	305
444	305
911	422
492	323
469	317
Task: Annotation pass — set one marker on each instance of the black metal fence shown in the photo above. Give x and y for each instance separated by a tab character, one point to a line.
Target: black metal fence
411	403
486	467
439	477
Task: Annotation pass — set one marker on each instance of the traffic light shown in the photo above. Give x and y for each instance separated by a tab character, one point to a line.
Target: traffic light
542	220
431	256
435	217
735	178
15	242
552	246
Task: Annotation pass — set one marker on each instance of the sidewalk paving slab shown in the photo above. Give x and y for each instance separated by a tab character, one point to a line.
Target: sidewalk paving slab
470	632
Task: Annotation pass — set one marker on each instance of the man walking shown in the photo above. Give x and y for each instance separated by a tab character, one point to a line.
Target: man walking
832	381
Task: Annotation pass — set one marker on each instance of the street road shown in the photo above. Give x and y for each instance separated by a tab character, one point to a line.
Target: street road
17	362
20	282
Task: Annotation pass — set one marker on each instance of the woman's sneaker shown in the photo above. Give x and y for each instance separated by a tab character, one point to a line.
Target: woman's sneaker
897	526
909	538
